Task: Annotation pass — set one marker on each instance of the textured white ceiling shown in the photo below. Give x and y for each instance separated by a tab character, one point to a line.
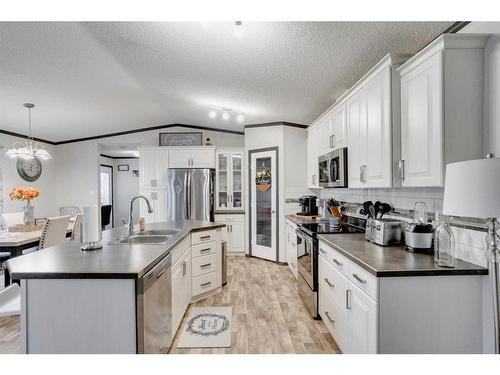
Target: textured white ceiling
95	78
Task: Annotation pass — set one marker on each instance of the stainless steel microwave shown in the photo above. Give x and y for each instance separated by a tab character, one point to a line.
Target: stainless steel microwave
333	169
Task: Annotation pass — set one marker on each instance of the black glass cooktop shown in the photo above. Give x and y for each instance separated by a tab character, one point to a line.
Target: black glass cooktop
326	228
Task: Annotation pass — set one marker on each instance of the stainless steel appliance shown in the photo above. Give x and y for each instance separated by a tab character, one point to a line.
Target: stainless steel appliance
384	231
418	235
154	309
333	168
308	253
190	194
308	205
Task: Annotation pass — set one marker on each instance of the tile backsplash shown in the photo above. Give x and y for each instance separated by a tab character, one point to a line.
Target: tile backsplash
470	244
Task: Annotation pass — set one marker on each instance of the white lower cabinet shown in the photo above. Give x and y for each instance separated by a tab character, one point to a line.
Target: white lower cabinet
234	232
181	288
291	247
350	315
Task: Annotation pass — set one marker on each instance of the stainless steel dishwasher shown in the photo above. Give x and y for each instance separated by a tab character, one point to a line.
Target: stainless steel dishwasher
154	309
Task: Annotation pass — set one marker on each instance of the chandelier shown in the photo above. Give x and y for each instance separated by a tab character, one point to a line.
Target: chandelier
29	149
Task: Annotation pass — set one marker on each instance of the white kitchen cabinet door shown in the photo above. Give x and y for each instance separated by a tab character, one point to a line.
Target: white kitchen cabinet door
323	141
157	199
237	236
338	129
161	160
291	249
362	322
422	124
179	158
202	158
229	180
356	128
378	173
181	289
153	165
313	139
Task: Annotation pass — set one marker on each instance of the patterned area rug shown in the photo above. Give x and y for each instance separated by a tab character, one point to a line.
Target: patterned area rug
207	327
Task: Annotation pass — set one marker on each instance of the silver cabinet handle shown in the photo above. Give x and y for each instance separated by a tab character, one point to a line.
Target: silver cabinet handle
205	265
204	238
337	262
202	251
402	170
360	173
154	182
329	317
205	284
348	299
329	283
322	251
358	278
364	173
184	268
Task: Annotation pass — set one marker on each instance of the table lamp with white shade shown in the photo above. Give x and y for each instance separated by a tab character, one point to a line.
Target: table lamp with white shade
472	189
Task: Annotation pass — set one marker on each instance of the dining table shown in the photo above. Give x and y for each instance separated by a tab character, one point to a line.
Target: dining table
15	242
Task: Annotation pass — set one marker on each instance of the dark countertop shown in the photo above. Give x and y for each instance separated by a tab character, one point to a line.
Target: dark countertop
393	261
299	220
113	261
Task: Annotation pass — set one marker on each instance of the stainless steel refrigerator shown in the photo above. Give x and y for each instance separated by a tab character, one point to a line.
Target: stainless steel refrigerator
190	194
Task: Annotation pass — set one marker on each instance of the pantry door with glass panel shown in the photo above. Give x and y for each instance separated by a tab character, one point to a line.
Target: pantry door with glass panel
263	204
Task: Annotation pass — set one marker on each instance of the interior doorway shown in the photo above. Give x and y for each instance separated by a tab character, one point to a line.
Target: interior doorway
107	196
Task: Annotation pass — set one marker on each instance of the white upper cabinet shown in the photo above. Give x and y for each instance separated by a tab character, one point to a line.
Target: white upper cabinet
356	125
313	139
153	165
441	108
422	124
338	127
229	179
192	157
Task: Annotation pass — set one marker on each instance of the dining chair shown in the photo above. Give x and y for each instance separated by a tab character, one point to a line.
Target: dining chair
10	300
75	231
54	231
70	211
4	228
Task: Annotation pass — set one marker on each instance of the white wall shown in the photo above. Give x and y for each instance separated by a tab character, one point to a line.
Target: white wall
126	186
45	205
77	174
151	138
491	83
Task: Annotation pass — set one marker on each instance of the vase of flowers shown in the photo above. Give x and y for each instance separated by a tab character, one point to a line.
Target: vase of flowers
27	195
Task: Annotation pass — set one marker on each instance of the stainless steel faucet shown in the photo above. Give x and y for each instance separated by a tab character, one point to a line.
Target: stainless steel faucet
130	224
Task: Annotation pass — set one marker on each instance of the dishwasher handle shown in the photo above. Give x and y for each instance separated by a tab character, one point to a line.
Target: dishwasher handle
155	273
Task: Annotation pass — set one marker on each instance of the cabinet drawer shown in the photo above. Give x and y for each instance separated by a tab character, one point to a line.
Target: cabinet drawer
180	249
333	284
363	280
204	283
337	260
204	236
205	264
204	249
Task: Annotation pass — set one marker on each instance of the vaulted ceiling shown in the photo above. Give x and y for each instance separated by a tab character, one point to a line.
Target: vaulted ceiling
94	78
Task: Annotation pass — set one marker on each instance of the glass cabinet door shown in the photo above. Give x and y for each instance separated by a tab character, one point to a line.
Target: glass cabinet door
222	198
237	180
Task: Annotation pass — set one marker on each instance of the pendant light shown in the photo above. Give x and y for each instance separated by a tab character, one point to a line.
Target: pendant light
28	149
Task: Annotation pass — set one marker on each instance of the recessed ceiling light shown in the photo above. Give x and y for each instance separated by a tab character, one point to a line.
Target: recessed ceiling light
212	114
225	116
240	118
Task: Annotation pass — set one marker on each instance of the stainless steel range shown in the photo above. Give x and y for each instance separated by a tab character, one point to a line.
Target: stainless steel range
307	256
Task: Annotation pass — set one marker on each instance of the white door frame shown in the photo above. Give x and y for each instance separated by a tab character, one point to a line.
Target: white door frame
254	249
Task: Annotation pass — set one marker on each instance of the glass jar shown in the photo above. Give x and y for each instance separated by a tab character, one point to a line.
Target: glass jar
444	244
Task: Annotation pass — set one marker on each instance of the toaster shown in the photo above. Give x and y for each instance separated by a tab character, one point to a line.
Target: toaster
384	231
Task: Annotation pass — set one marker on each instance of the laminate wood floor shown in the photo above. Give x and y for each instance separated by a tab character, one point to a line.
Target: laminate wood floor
268	314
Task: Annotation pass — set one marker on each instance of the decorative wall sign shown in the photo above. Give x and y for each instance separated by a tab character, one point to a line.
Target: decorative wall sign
263	179
123	167
181	139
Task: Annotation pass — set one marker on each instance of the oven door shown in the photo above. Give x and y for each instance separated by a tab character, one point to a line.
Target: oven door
305	259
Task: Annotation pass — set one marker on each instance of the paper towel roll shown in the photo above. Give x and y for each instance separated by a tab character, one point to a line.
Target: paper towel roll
91	229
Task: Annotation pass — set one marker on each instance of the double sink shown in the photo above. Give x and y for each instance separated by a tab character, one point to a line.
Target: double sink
150	237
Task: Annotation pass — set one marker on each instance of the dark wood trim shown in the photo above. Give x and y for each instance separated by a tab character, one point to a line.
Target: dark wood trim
278	123
25	136
456	27
118	157
159	127
250	152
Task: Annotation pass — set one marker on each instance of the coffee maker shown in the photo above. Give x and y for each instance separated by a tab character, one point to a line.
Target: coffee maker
308	205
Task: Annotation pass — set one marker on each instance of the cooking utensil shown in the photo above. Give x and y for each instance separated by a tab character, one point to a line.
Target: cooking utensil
372	211
378	208
385	208
366	206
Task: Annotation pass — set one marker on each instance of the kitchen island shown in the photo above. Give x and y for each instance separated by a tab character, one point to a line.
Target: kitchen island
98	302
